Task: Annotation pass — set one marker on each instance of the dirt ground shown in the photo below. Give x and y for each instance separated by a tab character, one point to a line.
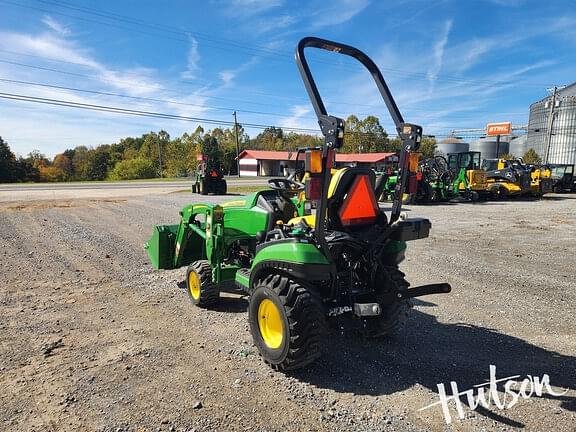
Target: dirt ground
91	338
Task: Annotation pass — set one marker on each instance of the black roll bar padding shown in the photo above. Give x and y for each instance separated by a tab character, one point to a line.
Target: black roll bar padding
312	89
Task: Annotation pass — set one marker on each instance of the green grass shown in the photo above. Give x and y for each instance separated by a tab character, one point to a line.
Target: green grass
165	179
247	189
233	189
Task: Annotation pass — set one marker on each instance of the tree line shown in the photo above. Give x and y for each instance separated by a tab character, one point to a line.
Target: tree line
156	154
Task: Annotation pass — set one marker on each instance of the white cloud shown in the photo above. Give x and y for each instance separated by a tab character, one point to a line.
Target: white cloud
51	129
252	7
56	26
507	3
438	52
296	119
193	59
228	76
136	81
337	12
275	24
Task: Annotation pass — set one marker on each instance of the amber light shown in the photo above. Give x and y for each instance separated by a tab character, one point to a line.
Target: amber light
314	161
413	159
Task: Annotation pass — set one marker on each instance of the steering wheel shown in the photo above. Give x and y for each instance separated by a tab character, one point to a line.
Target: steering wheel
282	184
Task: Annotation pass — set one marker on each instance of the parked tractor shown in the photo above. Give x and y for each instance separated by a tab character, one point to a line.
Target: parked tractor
209	179
563	179
469	180
302	271
507	177
541	181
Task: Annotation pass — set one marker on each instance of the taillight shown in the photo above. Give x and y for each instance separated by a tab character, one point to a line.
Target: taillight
314	188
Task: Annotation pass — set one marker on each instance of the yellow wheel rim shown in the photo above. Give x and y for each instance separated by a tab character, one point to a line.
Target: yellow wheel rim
270	324
194	285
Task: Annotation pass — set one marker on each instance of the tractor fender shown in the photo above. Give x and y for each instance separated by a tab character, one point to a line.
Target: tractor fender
294	258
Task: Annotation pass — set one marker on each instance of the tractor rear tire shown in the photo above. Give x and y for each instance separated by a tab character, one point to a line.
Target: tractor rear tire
287	322
222	187
201	290
202	188
393	316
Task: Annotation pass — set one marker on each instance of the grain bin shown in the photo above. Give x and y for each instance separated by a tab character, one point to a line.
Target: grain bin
452	145
563	139
490	148
518	145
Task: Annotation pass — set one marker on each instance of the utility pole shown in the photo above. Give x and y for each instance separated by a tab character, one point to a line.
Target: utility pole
237	143
550	124
160	157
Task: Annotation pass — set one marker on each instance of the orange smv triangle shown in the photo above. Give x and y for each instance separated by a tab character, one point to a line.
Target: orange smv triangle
359	206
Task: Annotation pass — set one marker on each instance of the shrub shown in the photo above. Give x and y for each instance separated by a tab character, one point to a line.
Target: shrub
132	169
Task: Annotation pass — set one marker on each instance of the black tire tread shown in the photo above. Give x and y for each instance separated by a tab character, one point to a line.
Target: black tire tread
209	291
306	319
394	316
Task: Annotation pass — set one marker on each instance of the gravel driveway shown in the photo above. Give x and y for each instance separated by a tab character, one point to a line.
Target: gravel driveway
91	338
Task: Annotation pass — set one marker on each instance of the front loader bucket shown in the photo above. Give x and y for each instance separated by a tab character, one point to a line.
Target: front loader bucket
161	246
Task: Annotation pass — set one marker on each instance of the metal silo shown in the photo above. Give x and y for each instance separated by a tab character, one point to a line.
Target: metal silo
557	138
452	145
490	148
518	145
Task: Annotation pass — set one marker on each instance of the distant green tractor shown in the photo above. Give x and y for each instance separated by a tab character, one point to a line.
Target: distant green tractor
302	271
209	179
469	179
435	182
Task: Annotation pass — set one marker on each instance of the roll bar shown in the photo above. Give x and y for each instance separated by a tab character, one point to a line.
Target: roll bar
314	42
333	127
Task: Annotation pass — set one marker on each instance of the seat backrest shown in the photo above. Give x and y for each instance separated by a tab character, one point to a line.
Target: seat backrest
351	199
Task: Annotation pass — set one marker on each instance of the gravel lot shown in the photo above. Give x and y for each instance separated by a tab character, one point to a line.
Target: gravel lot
91	338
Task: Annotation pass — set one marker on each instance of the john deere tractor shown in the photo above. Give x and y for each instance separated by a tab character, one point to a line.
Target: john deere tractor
435	181
507	177
469	180
302	271
209	178
541	181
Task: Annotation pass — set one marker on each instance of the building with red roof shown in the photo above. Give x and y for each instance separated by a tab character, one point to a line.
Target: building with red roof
281	163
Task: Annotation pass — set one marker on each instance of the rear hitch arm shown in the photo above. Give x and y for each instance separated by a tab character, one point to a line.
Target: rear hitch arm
422	290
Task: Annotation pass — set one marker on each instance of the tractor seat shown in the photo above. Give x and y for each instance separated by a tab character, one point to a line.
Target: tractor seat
278	206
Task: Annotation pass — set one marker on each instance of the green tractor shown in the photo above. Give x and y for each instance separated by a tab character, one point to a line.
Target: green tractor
435	181
209	178
303	271
469	180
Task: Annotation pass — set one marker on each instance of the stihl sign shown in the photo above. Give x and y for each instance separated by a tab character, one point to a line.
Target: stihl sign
504	128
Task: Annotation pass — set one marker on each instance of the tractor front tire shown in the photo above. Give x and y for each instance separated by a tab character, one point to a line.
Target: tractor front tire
394	315
287	322
201	290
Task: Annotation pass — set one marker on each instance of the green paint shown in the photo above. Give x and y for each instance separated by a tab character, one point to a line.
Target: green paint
295	252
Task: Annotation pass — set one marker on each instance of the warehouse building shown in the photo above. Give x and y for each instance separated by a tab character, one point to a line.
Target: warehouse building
281	164
552	127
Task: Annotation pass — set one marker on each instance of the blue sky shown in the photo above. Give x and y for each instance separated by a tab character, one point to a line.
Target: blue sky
449	63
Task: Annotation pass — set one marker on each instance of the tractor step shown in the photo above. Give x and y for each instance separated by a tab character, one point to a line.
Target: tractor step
242	279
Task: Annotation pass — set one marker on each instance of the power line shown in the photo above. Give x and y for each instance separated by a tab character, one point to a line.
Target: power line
206	95
217	43
147	99
140	113
166	116
168	101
